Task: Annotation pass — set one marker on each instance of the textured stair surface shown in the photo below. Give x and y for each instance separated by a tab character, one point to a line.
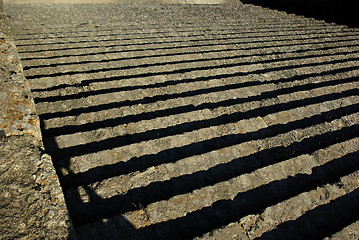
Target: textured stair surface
197	121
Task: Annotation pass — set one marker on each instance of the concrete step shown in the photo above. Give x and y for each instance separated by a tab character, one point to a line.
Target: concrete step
172	121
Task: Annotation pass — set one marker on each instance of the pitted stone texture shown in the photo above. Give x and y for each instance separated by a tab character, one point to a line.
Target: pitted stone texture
32	205
193	121
17	108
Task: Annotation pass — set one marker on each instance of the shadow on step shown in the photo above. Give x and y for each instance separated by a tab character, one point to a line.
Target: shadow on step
223	212
318	223
339	12
335	215
117	227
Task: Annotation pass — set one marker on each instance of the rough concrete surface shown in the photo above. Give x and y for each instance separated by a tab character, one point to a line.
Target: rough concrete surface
17	109
174	121
32	204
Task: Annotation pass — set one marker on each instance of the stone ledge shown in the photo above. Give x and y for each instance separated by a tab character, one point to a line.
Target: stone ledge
32	205
17	108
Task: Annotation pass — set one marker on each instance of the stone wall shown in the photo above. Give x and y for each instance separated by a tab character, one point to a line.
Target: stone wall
32	205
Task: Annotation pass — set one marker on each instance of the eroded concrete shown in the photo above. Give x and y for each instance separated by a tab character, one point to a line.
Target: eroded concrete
207	122
32	205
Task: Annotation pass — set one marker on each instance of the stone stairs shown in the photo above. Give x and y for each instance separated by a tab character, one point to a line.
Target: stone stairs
176	121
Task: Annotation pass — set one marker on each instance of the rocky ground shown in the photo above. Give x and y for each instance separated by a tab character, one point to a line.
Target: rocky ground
196	121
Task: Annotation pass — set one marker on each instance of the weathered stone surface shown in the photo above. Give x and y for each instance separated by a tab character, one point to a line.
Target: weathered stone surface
196	121
17	108
32	205
118	1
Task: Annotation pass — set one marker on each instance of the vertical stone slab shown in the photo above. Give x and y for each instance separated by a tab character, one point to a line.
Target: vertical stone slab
32	205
